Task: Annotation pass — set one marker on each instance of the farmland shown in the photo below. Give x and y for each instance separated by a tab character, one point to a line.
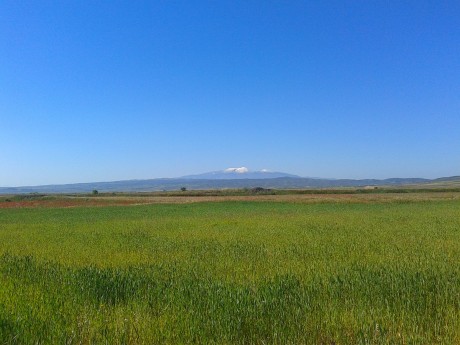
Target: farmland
378	268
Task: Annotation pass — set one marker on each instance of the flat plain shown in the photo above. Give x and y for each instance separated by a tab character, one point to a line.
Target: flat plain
332	268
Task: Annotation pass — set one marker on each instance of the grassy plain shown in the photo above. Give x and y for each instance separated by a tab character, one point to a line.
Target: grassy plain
272	269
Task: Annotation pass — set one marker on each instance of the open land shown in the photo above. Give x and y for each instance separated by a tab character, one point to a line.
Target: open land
331	267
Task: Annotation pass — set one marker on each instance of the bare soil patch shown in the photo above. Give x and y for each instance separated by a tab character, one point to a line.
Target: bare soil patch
120	200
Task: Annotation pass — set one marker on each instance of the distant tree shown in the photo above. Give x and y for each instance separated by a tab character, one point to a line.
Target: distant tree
183	189
95	192
260	190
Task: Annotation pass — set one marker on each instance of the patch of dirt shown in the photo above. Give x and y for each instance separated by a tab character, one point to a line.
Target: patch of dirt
303	198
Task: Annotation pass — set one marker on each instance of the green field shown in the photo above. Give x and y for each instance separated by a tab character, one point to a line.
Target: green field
232	272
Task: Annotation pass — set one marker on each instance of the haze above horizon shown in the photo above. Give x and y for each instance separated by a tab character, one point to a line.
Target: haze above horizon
105	91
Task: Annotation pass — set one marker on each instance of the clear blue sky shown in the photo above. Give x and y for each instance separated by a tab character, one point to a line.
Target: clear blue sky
109	90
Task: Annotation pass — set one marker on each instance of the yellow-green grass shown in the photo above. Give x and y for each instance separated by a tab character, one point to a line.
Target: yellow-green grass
232	272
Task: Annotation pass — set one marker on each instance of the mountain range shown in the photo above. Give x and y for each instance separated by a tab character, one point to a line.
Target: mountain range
228	178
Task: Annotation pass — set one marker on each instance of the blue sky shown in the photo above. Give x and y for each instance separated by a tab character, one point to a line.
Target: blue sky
111	90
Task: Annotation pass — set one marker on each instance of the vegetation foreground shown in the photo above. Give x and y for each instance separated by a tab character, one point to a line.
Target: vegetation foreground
232	272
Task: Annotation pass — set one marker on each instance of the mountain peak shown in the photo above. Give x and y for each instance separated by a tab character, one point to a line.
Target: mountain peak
241	170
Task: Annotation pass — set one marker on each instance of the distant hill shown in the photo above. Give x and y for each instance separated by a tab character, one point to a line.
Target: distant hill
195	183
447	179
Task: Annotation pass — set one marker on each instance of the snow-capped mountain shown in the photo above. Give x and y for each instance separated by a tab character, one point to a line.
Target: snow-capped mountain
238	173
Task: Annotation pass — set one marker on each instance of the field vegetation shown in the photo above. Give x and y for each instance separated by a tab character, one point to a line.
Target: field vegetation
295	269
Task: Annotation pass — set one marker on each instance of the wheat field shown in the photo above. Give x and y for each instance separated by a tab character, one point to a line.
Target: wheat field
232	272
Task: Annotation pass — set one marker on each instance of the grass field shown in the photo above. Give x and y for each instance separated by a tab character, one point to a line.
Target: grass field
365	269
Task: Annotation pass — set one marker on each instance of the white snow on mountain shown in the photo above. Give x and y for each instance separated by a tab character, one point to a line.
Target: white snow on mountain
241	170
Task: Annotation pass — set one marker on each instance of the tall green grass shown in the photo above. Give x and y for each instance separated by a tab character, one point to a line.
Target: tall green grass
233	272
